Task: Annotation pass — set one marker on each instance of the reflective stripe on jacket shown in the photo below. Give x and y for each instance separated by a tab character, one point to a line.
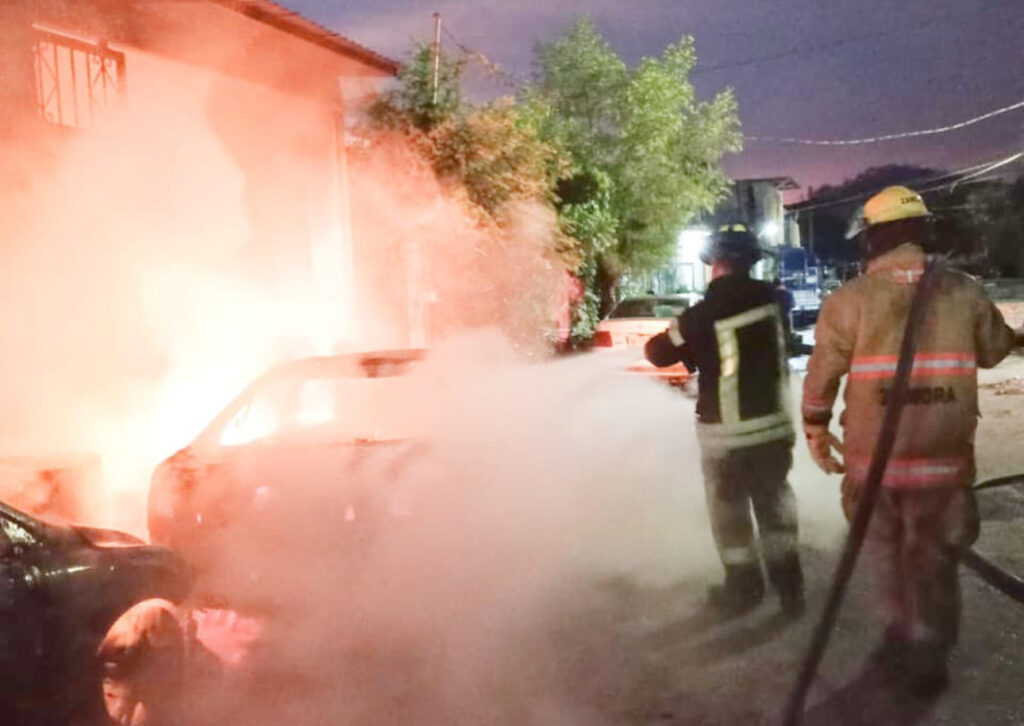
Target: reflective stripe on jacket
735	338
859	332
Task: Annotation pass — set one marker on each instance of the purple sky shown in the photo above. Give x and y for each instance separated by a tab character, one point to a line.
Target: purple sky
854	67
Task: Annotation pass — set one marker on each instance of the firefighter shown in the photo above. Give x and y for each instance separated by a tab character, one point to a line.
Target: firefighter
925	514
786	302
734	338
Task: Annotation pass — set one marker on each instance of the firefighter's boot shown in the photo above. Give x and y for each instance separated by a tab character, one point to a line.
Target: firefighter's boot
743	590
927	675
787	576
892	653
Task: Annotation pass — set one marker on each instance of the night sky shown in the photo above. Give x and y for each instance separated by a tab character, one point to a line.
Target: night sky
800	68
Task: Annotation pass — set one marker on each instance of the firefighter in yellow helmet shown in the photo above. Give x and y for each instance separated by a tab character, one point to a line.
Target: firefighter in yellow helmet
925	514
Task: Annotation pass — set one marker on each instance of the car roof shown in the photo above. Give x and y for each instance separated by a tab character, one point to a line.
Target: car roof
328	366
320	365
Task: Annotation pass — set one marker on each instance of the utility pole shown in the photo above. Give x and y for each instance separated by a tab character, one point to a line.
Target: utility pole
810	231
437	55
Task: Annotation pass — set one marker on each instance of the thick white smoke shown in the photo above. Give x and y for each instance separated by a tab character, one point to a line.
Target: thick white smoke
535	492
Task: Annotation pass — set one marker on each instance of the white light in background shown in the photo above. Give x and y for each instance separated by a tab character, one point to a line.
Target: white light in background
769	231
691	242
690	270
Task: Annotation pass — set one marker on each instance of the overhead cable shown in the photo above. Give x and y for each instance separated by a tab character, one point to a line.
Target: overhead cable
891	137
990	168
818	47
840	42
971	172
504	76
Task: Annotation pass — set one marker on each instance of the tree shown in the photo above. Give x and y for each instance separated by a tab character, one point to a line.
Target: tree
644	151
827	232
493	151
499	255
997	220
413	104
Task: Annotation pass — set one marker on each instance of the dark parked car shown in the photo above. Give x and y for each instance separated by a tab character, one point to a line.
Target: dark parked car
319	433
61	589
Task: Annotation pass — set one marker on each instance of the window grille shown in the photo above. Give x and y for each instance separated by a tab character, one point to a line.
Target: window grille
75	81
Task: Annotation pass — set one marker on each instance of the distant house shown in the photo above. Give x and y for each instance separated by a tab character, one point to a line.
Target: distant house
756	203
274	88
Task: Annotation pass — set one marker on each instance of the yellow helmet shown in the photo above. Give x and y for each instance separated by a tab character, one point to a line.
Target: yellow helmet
893	203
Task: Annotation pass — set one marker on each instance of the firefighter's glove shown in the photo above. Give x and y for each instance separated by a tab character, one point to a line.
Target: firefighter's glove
820	445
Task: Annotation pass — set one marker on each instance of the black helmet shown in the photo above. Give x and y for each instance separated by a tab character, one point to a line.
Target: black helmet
733	244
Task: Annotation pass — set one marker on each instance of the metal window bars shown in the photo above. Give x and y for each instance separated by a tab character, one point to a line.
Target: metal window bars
76	81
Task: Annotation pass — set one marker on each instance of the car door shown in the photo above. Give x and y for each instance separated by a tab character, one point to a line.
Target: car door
23	643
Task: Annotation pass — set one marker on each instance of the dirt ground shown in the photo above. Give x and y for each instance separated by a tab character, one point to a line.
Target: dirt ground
651	656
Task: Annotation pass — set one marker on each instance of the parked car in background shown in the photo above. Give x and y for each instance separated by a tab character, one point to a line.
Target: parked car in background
62	587
319	437
634	321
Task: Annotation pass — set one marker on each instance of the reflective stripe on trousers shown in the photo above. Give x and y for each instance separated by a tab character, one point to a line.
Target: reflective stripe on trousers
721	437
751	478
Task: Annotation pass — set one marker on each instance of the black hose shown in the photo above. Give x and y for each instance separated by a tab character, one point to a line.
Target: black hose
1010	585
1001	481
868	496
1007	583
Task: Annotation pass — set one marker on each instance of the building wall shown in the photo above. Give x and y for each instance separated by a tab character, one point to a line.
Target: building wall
273	103
757	204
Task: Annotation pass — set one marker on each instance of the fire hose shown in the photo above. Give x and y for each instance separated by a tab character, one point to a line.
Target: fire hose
869	495
1008	584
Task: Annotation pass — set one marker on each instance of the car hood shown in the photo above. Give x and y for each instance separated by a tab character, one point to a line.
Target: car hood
101	537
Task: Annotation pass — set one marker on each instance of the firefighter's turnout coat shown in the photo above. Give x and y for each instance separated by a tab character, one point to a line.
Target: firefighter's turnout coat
735	338
859	332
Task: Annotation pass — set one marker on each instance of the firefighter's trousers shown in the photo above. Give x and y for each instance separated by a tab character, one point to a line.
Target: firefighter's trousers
913	546
754	476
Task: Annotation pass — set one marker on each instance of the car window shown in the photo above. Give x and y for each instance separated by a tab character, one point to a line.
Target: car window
668	311
263	415
650	308
344	407
13	535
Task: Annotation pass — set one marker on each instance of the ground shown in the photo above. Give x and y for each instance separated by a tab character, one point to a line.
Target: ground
665	662
620	653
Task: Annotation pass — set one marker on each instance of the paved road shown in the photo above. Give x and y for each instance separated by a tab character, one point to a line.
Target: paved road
623	651
664	661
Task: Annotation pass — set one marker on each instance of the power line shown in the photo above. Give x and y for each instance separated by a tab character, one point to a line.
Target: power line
837	43
890	137
971	172
988	169
509	79
818	47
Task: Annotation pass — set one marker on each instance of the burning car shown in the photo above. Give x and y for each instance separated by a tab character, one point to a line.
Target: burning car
635	320
61	590
322	433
